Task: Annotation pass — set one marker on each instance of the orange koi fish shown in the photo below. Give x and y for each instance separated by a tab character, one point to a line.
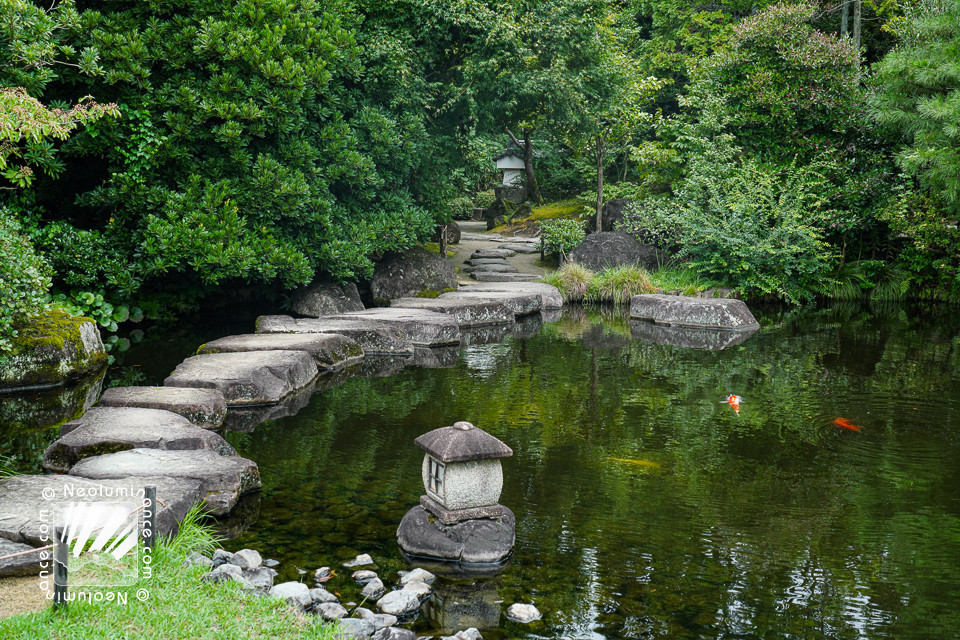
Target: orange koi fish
846	424
734	402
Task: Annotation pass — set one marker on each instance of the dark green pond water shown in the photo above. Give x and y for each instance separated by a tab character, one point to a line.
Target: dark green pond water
646	506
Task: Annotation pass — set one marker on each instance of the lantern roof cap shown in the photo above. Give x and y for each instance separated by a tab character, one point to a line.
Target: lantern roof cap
462	442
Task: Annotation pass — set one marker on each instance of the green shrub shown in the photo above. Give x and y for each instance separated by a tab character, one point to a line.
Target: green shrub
461	208
484	199
24	280
561	235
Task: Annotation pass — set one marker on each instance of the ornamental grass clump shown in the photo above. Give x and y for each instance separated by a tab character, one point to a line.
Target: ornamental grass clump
619	284
573	281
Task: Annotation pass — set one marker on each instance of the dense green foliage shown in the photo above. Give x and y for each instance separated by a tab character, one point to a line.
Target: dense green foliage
216	144
24	280
561	235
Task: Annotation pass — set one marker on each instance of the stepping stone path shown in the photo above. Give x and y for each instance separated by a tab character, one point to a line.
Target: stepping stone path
205	408
255	377
550	297
422	326
329	351
23	497
374	338
110	429
522	247
467	312
486	276
222	479
491	265
518	303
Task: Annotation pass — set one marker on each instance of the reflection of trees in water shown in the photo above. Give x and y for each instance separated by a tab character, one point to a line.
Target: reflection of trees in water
771	520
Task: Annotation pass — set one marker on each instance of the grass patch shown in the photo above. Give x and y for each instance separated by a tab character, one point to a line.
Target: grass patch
179	606
564	209
618	285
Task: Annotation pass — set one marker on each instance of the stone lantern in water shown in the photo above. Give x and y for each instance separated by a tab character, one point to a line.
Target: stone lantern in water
459	518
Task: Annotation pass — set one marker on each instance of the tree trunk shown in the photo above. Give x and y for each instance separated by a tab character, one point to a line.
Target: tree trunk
443	241
601	148
857	21
845	18
533	189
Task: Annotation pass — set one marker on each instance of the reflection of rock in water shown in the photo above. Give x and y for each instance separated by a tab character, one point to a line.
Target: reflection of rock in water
242	517
246	419
526	326
595	337
36	410
435	358
377	366
454	606
688	338
484	335
551	315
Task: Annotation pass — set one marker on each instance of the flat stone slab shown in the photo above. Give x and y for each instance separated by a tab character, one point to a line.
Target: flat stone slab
329	350
205	408
519	303
493	253
247	378
423	327
492	268
476	262
25	565
105	430
373	337
716	313
550	297
522	247
688	337
28	504
479	237
223	479
487	276
465	311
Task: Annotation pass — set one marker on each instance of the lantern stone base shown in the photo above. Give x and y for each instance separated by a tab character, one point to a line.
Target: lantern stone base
454	516
476	541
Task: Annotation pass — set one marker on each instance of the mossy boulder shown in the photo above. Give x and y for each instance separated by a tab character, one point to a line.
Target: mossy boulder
405	274
52	349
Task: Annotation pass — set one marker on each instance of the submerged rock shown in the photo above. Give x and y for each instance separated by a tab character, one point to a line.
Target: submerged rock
205	408
524	613
53	348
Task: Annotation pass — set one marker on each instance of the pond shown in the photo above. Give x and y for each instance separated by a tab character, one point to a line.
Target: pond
646	505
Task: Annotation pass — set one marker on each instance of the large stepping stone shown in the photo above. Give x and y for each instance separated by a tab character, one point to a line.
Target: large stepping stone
467	312
522	247
486	276
688	337
205	408
520	304
479	237
222	479
329	350
110	429
423	328
550	297
247	378
493	253
492	268
476	262
25	565
373	337
715	313
29	504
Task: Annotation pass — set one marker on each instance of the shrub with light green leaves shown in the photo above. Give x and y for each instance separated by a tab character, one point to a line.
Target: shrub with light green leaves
561	235
24	280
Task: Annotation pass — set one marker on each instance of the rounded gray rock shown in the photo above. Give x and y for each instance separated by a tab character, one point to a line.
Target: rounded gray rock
483	541
373	589
399	603
332	611
354	628
524	613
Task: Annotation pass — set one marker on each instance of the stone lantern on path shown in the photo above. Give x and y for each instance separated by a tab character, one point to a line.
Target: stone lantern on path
459	518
